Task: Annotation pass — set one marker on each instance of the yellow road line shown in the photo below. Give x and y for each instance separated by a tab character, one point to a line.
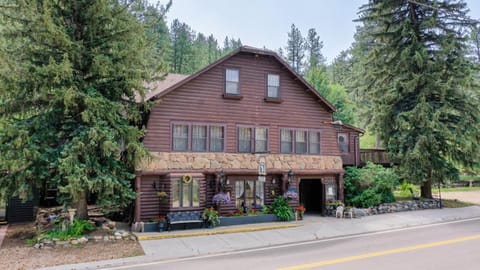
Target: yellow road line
381	253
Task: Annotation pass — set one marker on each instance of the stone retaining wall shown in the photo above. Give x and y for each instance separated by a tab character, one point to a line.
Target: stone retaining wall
198	161
391	208
403	206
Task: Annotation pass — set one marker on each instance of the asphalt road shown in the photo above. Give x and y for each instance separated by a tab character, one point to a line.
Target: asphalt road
454	245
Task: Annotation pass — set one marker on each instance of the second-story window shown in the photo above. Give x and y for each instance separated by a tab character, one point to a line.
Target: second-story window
286	141
261	141
180	137
314	142
273	86
300	142
216	139
199	138
244	140
252	139
342	139
232	81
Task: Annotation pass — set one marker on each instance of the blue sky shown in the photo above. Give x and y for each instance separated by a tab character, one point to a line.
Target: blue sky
261	23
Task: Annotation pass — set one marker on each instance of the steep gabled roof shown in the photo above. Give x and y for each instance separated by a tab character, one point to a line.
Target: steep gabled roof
162	89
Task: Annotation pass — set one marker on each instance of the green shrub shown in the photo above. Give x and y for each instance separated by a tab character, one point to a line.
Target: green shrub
369	186
281	209
75	230
211	216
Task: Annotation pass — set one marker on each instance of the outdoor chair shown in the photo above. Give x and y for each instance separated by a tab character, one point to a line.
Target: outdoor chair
348	212
339	213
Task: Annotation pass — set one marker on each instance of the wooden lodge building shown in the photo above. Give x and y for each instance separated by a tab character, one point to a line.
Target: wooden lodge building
247	124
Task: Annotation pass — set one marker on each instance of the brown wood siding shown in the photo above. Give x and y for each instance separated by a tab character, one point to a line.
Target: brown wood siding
352	158
201	100
151	206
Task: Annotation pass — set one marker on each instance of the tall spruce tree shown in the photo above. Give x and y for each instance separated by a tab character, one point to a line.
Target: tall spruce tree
314	46
71	71
295	49
420	84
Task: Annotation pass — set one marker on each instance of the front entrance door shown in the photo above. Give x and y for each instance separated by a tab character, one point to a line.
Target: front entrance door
311	195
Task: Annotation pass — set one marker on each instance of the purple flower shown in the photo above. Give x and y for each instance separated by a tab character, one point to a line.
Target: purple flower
291	195
221	198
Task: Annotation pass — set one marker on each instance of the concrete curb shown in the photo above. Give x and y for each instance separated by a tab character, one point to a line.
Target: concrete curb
141	237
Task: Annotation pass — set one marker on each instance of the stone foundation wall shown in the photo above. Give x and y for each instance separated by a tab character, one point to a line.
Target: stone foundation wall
198	161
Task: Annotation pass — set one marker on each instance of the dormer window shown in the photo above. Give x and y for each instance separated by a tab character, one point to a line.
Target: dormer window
273	86
232	82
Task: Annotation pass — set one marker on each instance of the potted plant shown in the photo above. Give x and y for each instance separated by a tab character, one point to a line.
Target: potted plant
300	210
210	215
162	221
162	195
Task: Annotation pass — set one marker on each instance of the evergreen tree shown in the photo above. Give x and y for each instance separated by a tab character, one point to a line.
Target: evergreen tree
475	43
419	81
71	71
212	49
182	42
295	49
314	46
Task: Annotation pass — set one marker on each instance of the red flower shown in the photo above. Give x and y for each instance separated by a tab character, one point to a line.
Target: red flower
301	208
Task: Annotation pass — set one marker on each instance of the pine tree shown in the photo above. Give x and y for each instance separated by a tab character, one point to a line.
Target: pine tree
182	42
71	71
419	81
314	47
295	49
213	49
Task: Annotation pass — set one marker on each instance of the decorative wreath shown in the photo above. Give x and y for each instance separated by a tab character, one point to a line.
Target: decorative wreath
187	178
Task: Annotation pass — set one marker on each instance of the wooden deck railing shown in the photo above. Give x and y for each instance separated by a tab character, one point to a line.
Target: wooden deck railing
377	156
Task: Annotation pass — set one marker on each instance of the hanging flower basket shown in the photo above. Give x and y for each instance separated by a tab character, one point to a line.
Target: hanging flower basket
291	195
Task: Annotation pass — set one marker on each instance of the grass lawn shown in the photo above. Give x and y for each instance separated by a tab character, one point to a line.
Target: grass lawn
459	189
455	203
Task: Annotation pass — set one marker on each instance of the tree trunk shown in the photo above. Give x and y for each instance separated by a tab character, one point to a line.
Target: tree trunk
426	189
81	205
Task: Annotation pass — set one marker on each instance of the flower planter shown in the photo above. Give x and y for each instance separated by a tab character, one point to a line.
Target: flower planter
150	227
162	226
240	220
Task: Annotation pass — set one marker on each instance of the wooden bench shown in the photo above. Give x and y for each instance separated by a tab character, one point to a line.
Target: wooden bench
184	217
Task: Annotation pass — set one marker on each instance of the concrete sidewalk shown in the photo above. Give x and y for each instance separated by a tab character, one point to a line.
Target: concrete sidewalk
311	228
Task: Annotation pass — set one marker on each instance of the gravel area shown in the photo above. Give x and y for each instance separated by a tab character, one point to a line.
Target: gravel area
466	196
16	255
